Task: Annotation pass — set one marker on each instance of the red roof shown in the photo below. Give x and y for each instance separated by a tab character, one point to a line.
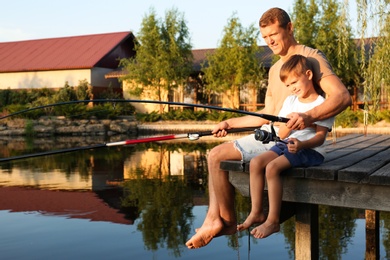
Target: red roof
76	52
72	204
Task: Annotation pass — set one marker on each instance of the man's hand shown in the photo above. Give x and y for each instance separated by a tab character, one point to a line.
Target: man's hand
298	121
220	129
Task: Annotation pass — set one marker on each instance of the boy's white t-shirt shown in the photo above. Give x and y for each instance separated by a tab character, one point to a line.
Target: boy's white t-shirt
292	104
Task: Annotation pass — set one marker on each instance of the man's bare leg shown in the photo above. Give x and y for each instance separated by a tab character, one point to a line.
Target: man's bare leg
220	218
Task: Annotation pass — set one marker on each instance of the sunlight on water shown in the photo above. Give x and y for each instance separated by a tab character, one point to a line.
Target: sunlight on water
141	202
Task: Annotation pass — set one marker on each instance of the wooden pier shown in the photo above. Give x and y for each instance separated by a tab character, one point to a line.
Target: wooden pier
355	174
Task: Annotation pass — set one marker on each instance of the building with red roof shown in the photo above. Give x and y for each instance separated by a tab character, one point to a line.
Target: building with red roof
50	63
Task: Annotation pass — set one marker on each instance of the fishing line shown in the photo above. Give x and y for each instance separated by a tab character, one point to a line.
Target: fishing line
265	116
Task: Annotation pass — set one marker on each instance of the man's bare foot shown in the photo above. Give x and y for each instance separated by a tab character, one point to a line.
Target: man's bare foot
251	220
207	232
265	229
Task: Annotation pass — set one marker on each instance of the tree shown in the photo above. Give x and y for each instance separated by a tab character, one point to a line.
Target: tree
235	62
375	59
324	25
335	39
304	17
163	58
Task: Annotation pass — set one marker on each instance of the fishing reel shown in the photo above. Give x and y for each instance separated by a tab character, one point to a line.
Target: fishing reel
265	136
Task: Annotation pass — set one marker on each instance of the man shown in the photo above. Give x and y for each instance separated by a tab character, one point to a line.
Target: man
277	31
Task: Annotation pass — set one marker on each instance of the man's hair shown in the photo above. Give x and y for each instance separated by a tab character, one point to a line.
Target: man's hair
296	64
274	15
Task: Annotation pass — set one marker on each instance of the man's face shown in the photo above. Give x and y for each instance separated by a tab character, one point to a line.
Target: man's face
277	38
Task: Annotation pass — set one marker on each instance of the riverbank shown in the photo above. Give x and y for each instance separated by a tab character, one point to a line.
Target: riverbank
127	125
61	126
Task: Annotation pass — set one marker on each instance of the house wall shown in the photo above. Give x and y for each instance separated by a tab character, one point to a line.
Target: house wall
43	79
146	95
56	79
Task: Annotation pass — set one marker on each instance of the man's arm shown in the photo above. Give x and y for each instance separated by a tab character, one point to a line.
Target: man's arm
246	121
337	99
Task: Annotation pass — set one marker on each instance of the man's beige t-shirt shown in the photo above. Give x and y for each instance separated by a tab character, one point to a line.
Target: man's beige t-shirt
276	89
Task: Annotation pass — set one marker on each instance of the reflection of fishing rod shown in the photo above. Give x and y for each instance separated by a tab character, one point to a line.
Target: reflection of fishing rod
265	116
190	136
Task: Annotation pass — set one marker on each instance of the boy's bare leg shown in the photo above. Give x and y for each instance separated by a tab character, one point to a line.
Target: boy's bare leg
275	192
257	182
221	217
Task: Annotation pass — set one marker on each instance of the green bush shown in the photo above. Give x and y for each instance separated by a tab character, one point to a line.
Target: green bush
385	115
347	118
29	128
184	115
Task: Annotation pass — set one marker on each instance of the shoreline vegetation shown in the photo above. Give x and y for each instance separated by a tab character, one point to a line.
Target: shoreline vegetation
128	125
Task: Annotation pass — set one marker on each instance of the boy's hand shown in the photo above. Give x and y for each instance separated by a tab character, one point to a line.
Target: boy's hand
294	145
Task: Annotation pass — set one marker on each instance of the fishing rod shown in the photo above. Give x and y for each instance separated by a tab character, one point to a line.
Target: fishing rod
265	116
190	136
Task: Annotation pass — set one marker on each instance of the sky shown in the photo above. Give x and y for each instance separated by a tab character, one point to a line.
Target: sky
27	20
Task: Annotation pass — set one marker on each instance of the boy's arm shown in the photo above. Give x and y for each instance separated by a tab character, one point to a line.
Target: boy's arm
316	140
284	131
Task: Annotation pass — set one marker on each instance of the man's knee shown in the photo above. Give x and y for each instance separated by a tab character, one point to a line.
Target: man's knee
224	151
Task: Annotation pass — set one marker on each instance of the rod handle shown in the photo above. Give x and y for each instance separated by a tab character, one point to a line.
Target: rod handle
233	130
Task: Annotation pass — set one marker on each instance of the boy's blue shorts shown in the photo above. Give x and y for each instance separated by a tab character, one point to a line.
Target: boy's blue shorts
303	158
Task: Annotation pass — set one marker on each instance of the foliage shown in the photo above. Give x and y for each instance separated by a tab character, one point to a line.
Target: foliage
17	101
163	58
185	115
304	17
336	228
347	118
159	197
29	128
374	60
235	62
324	25
22	97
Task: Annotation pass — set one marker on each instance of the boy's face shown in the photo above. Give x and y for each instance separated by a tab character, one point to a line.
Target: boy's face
277	38
300	84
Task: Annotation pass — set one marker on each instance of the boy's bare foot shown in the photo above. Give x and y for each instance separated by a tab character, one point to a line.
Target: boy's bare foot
265	229
207	232
251	220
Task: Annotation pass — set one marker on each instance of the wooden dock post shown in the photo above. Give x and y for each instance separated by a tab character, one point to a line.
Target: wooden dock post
372	234
306	231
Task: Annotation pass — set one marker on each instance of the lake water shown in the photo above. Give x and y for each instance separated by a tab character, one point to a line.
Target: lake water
138	202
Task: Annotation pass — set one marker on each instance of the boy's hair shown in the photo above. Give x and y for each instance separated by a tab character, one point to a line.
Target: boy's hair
296	64
274	15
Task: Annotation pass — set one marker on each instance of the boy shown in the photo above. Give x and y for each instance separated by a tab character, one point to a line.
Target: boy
300	147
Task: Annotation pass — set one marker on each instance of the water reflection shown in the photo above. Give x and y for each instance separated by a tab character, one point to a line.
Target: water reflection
156	189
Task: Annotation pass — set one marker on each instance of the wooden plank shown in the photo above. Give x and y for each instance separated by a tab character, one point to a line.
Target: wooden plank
240	180
361	171
334	193
239	166
351	140
381	176
324	192
235	166
342	139
350	146
346	157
